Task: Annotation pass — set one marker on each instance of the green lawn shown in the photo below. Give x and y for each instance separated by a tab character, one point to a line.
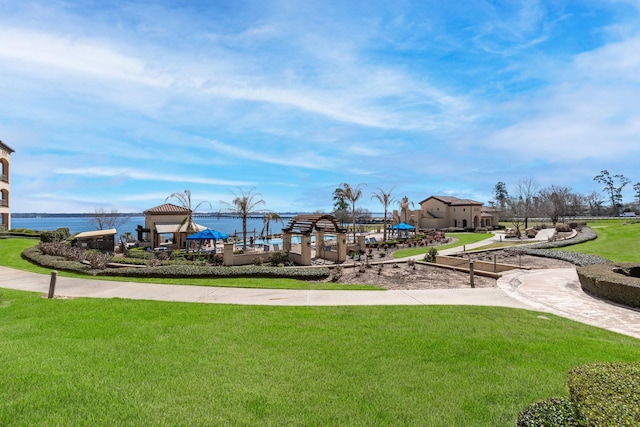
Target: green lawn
121	362
618	240
462	239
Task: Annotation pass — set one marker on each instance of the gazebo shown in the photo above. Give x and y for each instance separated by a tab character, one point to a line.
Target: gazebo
321	224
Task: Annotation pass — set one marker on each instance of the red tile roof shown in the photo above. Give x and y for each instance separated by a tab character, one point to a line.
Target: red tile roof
166	209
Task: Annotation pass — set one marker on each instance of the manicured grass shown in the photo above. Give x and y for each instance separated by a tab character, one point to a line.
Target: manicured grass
123	362
10	250
618	240
463	239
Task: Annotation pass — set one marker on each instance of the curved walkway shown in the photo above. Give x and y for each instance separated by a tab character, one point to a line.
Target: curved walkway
555	291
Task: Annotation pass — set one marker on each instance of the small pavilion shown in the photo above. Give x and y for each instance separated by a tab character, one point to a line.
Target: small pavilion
322	224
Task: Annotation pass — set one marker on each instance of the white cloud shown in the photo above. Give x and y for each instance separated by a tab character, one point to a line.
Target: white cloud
76	55
109	172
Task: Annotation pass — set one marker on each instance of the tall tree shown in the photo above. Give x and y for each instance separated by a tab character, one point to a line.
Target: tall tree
352	195
500	194
515	213
555	201
385	198
613	186
266	220
184	199
636	188
595	203
103	219
243	205
525	193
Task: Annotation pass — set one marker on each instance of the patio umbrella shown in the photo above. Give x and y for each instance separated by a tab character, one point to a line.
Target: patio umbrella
208	234
403	226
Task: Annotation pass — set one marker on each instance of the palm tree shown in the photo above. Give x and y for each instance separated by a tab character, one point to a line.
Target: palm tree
266	219
352	194
385	199
404	209
244	205
185	201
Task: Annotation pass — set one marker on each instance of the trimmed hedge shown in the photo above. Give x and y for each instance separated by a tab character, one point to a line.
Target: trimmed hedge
183	270
34	255
606	394
600	394
556	411
608	281
55	236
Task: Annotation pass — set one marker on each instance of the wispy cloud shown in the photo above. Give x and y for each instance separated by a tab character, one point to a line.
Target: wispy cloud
146	176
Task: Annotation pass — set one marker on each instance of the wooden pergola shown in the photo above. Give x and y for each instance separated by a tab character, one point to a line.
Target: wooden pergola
322	224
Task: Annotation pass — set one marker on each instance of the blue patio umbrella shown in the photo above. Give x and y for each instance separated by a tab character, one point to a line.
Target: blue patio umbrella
208	234
403	226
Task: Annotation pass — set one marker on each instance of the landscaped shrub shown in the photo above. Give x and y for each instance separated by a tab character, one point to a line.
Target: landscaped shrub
140	253
556	411
431	255
606	394
609	282
279	258
183	270
55	236
562	228
97	260
34	255
61	249
177	270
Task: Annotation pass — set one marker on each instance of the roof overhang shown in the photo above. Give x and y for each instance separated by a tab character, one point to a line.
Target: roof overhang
96	233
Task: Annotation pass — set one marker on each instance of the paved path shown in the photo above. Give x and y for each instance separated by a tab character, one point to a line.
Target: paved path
554	291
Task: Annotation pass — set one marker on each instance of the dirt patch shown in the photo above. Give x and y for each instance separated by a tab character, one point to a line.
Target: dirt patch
404	276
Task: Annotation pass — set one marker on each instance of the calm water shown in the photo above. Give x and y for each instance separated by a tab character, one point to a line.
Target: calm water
76	224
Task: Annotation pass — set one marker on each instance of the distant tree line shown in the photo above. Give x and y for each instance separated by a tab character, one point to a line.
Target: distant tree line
560	203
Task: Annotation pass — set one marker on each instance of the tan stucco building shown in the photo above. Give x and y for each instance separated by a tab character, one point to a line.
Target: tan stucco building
5	208
165	225
450	212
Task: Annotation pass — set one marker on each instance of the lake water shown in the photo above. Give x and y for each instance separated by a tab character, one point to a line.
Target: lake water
76	224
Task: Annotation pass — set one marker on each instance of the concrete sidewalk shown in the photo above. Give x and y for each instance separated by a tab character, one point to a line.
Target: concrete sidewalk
73	288
555	291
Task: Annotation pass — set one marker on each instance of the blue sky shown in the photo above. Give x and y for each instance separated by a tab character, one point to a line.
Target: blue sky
119	104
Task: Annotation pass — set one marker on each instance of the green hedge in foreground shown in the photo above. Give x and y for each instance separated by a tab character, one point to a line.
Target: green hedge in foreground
606	394
600	394
178	270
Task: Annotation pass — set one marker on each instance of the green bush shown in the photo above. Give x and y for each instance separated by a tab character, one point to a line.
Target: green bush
55	236
600	394
556	411
431	255
606	394
279	258
140	253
